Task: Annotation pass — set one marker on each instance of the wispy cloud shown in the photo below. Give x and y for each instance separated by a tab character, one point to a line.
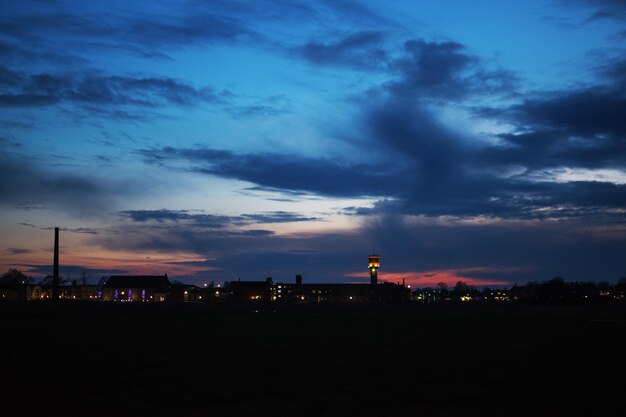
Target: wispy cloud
360	50
96	89
143	35
212	221
17	251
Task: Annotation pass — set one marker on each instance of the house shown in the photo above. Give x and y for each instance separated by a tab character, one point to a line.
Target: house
260	291
129	288
188	293
67	291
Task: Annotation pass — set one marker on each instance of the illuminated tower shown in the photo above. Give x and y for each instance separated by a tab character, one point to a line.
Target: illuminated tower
55	266
373	265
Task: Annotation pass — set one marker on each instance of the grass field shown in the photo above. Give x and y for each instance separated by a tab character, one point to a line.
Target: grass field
225	360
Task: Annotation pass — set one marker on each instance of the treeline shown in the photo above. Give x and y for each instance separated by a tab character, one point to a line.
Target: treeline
554	291
558	291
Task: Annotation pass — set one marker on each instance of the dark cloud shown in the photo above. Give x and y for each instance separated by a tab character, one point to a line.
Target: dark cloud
554	149
17	251
277	217
276	194
201	220
605	9
587	113
211	221
361	50
446	176
579	128
256	232
295	194
446	70
92	89
286	172
184	236
615	71
453	175
443	175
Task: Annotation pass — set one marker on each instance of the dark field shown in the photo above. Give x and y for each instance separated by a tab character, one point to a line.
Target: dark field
224	360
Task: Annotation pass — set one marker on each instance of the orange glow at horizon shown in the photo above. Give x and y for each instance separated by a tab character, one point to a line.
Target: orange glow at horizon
432	278
148	263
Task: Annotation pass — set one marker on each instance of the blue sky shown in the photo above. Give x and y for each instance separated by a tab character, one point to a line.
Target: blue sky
215	140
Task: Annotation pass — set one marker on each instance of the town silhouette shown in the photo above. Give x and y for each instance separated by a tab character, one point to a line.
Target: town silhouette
14	285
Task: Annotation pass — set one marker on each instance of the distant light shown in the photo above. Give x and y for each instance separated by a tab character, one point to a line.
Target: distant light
351	297
186	292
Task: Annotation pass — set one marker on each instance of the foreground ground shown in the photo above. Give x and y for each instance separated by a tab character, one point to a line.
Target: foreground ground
187	360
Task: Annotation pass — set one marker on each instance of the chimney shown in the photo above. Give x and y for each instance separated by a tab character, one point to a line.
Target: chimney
298	279
55	268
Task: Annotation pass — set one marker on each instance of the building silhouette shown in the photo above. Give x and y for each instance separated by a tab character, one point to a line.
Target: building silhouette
158	288
260	291
137	288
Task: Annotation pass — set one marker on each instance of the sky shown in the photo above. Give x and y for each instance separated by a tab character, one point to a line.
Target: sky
215	140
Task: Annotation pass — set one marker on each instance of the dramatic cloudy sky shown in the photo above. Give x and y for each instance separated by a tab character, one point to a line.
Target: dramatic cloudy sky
215	140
